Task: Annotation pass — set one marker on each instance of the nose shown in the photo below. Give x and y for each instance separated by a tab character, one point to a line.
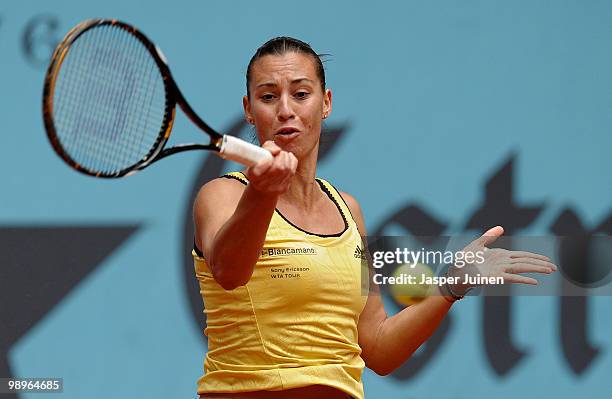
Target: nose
285	110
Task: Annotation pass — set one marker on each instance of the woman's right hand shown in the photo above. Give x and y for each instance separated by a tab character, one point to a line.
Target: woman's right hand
273	176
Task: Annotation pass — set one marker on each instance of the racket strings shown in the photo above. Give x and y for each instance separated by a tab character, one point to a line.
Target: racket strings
87	122
109	101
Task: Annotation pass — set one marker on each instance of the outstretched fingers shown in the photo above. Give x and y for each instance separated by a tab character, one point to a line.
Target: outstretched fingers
533	261
527	268
518	279
526	254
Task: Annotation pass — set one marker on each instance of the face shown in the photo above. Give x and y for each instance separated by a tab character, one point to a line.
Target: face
286	102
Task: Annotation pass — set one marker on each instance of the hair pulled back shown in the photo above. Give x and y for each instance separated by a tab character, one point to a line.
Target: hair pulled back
282	45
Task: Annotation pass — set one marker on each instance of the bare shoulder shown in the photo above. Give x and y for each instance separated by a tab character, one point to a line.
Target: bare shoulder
352	203
220	189
350	200
218	197
215	203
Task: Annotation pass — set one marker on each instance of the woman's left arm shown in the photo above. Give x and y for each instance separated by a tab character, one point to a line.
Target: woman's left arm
387	342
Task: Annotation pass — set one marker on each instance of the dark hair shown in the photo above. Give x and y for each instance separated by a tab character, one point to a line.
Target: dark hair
282	45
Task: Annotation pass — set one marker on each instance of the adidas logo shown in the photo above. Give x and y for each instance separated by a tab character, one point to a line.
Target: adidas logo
359	253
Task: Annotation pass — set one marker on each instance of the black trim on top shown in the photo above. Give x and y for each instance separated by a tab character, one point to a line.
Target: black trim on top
325	190
235	178
196	249
331	197
343	200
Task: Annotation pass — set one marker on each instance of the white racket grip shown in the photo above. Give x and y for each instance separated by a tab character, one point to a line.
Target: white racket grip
240	151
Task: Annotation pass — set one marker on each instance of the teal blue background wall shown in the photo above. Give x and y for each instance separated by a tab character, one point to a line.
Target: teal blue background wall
435	100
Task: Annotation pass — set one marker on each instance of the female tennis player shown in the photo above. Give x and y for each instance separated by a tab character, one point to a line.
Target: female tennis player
277	262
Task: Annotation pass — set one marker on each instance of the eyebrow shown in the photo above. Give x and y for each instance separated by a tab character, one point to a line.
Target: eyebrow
294	81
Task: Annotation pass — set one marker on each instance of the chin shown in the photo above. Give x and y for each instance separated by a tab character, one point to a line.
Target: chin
298	146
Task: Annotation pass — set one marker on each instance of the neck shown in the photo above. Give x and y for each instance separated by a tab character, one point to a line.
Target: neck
303	190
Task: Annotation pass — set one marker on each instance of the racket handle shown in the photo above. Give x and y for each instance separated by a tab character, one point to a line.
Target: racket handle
240	151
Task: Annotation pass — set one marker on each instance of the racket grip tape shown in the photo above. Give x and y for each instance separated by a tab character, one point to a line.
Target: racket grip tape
237	150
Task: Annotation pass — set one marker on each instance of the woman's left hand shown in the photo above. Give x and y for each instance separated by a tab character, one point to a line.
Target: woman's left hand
498	262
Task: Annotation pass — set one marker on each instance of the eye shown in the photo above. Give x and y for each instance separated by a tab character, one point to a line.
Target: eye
301	94
267	97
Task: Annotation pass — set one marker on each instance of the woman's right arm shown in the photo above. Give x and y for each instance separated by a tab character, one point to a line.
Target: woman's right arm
231	220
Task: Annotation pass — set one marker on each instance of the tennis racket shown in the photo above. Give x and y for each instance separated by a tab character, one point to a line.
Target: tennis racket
109	103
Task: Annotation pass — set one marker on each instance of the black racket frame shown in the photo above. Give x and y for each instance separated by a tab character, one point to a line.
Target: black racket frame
173	97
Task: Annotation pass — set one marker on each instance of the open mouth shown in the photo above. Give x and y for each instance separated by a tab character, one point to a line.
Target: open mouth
286	131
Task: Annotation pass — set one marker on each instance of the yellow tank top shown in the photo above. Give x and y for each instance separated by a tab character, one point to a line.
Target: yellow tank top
294	323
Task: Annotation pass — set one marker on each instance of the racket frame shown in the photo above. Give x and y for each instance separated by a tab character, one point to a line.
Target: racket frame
173	97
